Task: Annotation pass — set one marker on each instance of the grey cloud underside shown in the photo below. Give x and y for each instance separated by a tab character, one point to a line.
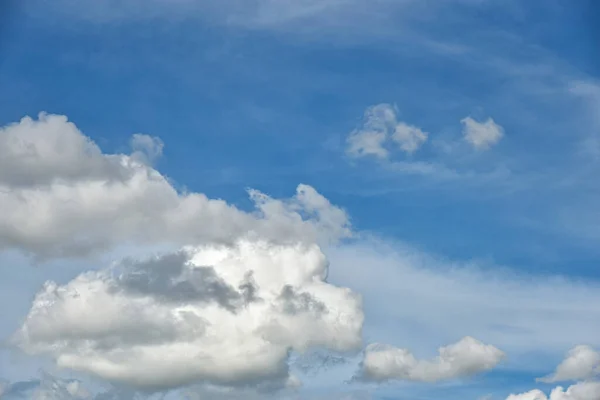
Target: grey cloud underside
295	303
166	279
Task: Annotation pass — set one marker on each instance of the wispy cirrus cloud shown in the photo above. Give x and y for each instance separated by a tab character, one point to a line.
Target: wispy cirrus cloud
522	314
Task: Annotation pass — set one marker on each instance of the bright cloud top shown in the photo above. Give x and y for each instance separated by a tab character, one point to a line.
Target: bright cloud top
221	314
67	198
465	358
481	135
381	126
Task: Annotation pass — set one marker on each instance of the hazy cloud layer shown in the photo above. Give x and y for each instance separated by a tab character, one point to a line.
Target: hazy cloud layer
518	313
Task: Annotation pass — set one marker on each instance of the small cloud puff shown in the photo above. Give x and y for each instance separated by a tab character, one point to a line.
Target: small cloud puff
467	357
68	198
381	125
481	135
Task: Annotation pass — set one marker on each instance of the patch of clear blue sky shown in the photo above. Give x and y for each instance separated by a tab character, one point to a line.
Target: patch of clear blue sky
268	109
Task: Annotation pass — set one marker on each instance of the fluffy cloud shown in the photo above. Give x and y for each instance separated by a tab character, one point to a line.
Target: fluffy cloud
222	314
67	198
379	126
481	135
465	358
579	391
531	395
369	140
582	362
408	137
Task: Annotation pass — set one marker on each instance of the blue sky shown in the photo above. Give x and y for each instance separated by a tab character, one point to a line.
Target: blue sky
449	240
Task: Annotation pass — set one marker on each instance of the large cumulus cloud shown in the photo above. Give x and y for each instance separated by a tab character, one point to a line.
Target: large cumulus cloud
68	198
223	314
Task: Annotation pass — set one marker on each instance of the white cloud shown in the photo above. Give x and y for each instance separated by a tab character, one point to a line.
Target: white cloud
379	126
146	149
370	138
205	392
40	152
408	137
578	391
367	143
261	14
531	395
465	358
67	198
582	362
481	135
227	315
